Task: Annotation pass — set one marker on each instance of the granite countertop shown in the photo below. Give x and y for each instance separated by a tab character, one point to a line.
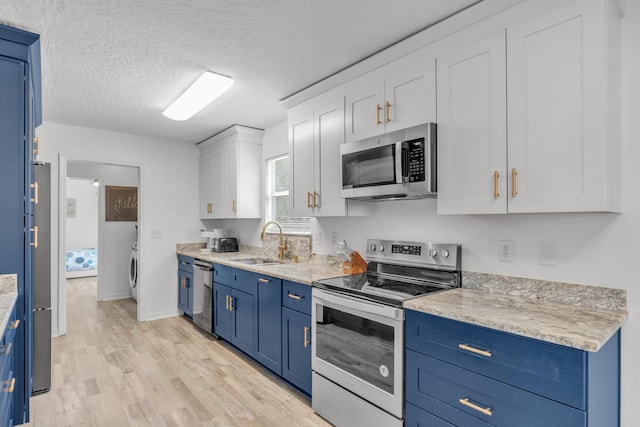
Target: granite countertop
304	272
8	297
580	324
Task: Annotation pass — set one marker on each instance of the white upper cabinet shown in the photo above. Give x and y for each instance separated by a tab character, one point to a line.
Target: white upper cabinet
472	135
231	174
563	113
315	136
398	95
560	124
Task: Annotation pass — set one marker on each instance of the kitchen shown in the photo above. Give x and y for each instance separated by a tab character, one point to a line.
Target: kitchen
590	248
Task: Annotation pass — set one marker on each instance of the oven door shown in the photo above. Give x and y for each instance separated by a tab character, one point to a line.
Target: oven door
358	345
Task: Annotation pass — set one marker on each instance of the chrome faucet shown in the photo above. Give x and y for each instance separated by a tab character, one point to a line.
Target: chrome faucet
282	243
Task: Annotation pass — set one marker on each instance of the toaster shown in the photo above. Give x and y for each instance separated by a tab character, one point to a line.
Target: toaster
224	244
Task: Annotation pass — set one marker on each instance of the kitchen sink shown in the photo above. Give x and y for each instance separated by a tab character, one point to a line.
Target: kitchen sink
257	261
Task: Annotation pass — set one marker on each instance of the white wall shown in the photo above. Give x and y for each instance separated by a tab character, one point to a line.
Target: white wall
82	230
168	202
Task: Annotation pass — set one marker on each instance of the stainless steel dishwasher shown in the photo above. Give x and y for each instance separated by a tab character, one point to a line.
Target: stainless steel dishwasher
203	295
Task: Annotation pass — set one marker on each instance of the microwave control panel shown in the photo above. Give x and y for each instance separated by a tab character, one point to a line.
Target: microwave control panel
415	162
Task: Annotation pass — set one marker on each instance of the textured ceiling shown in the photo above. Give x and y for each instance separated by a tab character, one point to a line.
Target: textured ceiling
117	64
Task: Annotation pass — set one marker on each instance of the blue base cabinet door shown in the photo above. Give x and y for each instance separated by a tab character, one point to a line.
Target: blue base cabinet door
269	317
243	321
222	315
185	292
296	349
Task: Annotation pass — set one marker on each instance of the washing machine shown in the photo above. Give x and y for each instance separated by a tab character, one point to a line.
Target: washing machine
133	270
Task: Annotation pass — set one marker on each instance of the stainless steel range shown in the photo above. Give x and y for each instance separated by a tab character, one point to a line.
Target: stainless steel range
358	330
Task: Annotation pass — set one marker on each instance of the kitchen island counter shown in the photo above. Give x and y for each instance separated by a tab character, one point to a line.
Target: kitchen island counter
576	316
8	298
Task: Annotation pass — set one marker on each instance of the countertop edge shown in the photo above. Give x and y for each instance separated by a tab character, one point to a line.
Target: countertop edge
612	319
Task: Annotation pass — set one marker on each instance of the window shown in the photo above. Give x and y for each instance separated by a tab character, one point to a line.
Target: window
278	198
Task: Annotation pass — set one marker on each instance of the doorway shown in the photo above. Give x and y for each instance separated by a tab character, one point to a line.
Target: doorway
116	237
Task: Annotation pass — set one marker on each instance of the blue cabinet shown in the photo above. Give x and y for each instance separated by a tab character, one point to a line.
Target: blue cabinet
234	316
7	374
269	319
20	113
469	375
185	285
296	335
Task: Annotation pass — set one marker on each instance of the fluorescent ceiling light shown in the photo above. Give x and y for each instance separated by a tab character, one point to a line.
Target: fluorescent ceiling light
200	94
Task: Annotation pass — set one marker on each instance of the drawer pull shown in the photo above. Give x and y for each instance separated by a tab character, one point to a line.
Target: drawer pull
293	296
474	350
306	334
465	402
11	383
263	280
14	324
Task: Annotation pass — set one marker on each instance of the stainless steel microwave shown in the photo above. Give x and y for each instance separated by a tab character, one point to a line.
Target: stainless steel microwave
399	165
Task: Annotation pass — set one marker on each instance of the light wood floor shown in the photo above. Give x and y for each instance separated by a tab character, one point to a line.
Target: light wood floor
110	370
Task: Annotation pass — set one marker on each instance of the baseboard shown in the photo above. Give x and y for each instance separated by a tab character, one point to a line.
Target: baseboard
160	315
123	295
55	333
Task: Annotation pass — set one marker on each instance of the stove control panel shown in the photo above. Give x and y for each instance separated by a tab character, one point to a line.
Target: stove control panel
441	256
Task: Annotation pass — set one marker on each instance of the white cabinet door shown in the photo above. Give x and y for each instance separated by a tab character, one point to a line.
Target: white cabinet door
410	91
217	167
365	111
472	142
206	186
301	165
229	204
557	96
328	135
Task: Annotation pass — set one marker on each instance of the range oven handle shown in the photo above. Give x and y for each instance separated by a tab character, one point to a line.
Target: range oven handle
350	304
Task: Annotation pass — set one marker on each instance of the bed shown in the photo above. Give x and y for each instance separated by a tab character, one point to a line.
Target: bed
81	262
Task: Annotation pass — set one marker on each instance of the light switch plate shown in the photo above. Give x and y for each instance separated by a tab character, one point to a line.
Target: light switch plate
317	238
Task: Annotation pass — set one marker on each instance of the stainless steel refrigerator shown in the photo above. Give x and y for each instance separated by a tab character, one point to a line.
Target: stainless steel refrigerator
42	281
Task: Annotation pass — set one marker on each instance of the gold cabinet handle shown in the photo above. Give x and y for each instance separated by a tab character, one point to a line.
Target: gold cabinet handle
306	334
36	149
226	302
514	183
263	280
233	206
293	296
231	303
386	107
11	383
496	193
209	208
35	236
315	199
378	108
309	199
35	192
14	324
466	402
474	350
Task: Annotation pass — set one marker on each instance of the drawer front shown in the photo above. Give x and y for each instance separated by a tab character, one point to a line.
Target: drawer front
222	274
444	389
416	417
245	281
547	369
185	263
296	296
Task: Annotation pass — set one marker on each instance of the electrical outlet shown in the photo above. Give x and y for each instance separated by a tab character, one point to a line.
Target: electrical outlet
156	234
547	253
506	251
317	238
